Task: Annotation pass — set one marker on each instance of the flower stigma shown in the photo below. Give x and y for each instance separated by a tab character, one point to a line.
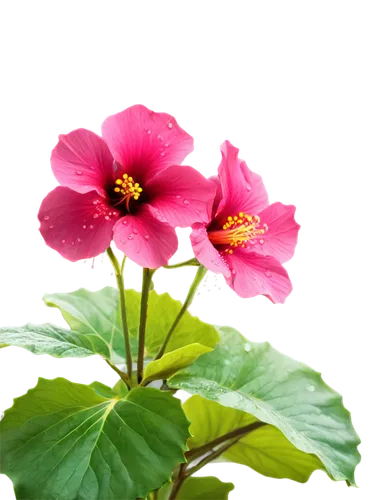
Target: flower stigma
128	188
237	231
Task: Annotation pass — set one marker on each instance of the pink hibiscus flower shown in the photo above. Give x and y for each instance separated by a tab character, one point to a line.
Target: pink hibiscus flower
127	186
247	239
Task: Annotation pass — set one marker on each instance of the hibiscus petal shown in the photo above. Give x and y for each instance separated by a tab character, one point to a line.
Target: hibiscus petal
144	142
82	161
182	195
254	274
219	194
146	241
243	190
206	253
78	226
280	239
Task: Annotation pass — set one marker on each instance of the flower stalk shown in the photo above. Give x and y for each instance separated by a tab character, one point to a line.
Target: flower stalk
201	272
147	277
119	270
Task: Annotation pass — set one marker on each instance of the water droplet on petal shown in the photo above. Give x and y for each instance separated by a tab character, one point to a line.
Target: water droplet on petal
170	125
130	237
62	241
147	236
162	154
125	222
79	172
248	187
186	202
84	226
96	216
268	273
79	240
247	347
106	217
91	227
135	230
261	241
46	217
233	271
73	243
178	196
166	145
51	226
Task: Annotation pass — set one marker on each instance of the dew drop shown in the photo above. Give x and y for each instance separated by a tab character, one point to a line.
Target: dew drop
96	216
233	271
170	125
62	241
268	273
247	347
51	226
310	388
226	362
178	196
91	227
147	236
186	202
261	241
79	172
162	154
248	187
106	217
125	222
73	243
79	240
148	131
84	226
130	237
46	217
166	145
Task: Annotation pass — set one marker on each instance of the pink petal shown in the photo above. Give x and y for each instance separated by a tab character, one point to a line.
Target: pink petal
254	274
82	161
280	239
78	226
243	190
206	253
144	142
146	241
219	194
182	195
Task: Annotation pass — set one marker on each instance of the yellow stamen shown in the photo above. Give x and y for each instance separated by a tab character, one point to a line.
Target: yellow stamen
237	231
128	189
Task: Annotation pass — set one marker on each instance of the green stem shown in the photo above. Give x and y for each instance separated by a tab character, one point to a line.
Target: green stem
147	277
121	288
123	375
201	272
240	432
190	262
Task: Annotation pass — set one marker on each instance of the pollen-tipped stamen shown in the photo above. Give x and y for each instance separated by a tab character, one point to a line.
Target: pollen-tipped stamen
128	188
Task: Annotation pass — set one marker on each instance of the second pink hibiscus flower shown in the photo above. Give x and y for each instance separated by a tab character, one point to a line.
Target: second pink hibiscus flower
127	186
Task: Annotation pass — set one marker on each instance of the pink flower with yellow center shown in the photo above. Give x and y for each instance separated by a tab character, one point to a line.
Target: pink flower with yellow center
128	186
246	240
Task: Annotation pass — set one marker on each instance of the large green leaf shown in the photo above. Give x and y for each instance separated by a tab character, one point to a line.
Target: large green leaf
53	340
264	449
200	488
96	314
280	391
66	441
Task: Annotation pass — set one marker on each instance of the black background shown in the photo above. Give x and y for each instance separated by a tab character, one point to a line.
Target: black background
282	141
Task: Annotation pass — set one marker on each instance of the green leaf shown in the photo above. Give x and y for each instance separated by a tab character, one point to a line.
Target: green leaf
173	361
280	391
264	449
53	340
200	488
65	441
96	314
